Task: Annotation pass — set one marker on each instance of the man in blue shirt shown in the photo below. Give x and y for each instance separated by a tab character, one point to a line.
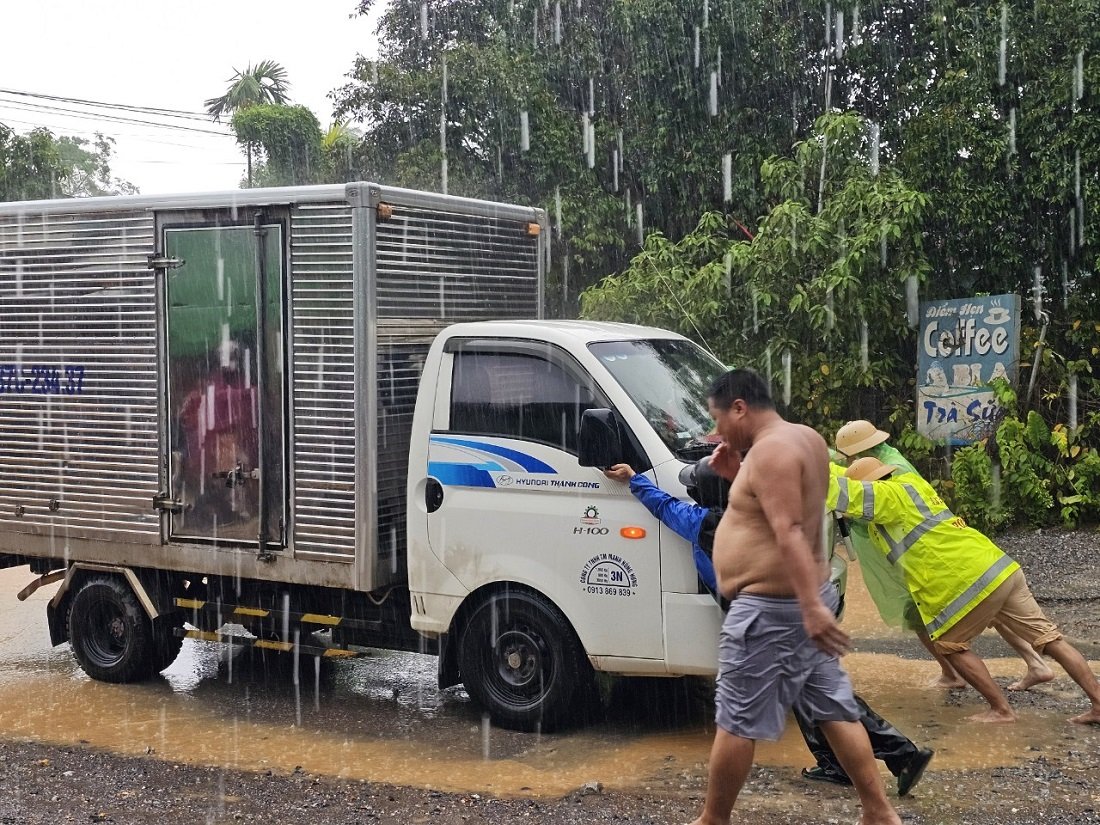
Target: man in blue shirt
696	523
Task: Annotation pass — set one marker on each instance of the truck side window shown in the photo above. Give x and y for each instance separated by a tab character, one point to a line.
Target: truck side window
519	395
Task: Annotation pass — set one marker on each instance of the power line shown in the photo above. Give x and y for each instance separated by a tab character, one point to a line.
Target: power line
65	129
107	118
152	110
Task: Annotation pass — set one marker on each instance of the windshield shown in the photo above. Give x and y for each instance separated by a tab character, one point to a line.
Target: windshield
668	381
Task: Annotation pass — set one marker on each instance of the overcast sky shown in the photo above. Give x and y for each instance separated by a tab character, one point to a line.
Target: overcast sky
169	55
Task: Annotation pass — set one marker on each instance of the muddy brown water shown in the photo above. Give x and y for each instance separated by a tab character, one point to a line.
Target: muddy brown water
381	718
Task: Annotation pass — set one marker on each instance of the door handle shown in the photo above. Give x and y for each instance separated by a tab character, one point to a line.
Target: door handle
433	495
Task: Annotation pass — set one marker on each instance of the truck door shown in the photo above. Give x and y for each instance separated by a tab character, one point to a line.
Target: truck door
221	286
516	506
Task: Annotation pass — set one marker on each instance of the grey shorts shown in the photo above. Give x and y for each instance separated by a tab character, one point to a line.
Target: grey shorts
767	664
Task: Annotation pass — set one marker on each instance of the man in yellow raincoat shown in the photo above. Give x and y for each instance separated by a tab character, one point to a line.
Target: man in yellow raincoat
885	581
960	581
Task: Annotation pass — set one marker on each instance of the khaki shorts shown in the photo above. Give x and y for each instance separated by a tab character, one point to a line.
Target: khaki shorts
1010	605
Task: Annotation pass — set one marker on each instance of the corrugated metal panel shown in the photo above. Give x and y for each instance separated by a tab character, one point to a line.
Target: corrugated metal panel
455	267
323	380
78	381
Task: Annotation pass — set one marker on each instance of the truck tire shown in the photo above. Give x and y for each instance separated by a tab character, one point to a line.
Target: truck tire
522	662
166	644
110	633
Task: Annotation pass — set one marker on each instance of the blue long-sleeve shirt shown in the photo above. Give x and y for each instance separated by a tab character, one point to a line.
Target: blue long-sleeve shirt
689	521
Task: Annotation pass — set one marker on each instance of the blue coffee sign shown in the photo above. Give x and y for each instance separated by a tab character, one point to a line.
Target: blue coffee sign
964	344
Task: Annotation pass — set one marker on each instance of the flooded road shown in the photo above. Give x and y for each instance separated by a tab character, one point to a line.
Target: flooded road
380	718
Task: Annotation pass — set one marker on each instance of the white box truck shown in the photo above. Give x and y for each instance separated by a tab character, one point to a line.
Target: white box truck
287	409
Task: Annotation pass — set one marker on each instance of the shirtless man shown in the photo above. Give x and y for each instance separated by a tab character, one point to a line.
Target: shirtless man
780	641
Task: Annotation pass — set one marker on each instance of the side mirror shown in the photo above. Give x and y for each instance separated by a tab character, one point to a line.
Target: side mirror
599	444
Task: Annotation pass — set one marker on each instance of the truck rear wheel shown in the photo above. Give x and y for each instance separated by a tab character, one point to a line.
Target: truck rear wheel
521	661
110	633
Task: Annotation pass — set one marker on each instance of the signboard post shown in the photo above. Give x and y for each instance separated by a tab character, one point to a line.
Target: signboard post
964	344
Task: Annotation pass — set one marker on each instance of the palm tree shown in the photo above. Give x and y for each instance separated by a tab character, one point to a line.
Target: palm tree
264	83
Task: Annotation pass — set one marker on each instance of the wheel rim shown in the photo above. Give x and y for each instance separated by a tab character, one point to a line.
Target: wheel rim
107	635
521	665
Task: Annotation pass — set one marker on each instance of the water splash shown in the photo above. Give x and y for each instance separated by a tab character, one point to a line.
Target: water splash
524	131
857	37
424	21
727	177
591	97
828	27
786	378
706	13
557	208
714	94
557	23
882	251
768	365
638	217
615	170
830	315
718	65
755	312
729	272
838	23
697	47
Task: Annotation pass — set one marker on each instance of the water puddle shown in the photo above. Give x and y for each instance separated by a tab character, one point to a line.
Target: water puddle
381	718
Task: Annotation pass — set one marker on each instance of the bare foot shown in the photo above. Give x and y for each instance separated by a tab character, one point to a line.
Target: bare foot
1034	676
994	716
950	682
1090	718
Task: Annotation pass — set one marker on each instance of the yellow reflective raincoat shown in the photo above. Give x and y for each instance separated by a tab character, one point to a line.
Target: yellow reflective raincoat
949	568
884	581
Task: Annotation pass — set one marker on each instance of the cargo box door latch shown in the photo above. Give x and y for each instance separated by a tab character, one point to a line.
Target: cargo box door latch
163	501
160	263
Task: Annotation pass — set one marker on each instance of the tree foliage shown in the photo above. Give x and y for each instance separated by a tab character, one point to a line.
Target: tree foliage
966	135
38	165
820	290
289	139
264	83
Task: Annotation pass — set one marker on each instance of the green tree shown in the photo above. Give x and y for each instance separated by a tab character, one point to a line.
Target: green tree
39	165
524	78
263	84
266	82
30	165
810	289
289	142
88	170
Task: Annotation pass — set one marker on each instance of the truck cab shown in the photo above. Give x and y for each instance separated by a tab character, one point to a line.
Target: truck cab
538	569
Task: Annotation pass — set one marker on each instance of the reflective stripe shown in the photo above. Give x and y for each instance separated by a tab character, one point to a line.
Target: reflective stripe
917	500
962	600
868	501
842	496
899	548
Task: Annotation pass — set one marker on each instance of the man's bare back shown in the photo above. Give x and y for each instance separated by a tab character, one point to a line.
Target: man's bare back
788	463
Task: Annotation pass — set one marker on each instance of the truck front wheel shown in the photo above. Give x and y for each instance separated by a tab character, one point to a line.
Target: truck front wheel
111	636
521	661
